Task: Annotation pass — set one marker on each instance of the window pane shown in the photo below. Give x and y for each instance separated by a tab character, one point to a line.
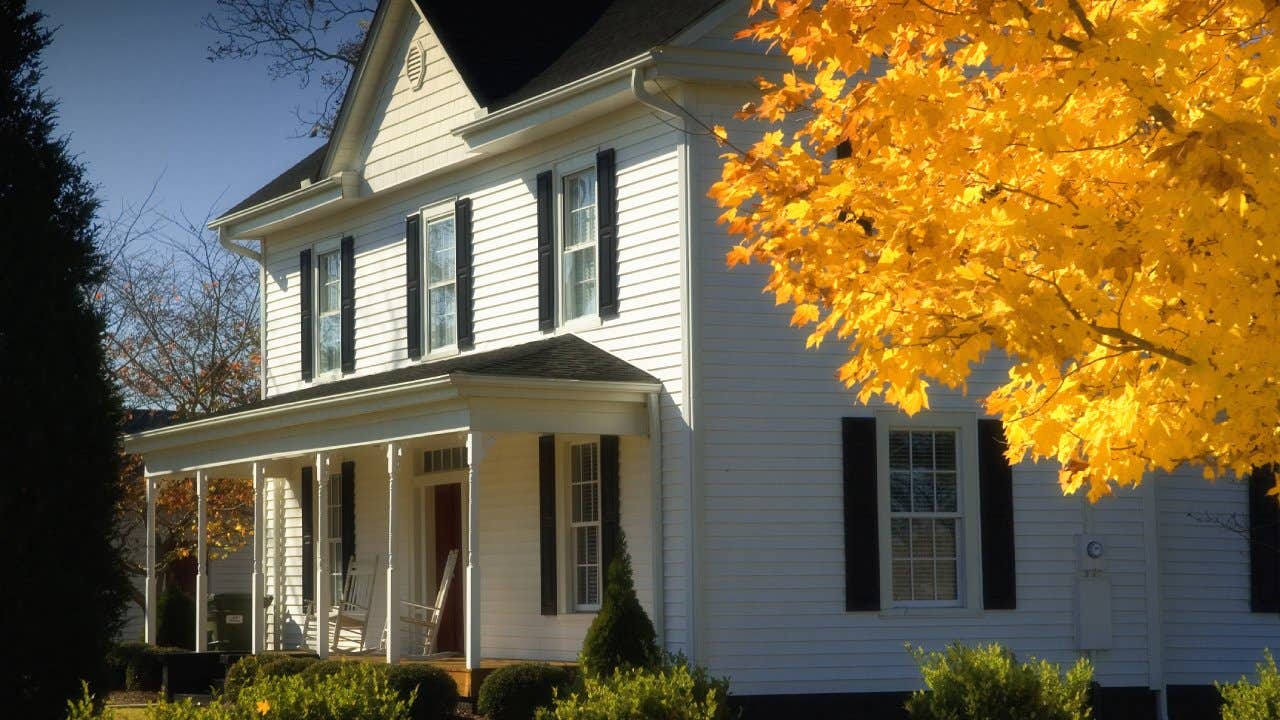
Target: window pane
580	282
899	450
580	208
947	585
330	342
944	538
944	450
901	579
945	485
922	580
442	302
900	534
922	491
441	262
922	538
922	449
899	491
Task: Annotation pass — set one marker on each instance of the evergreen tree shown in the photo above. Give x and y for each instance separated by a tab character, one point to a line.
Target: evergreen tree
64	581
622	634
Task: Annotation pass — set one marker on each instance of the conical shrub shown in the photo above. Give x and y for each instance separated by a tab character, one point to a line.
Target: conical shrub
622	634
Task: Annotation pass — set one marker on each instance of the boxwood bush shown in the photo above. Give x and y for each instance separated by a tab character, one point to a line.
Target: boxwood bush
677	692
247	670
515	692
138	666
1253	701
435	693
988	683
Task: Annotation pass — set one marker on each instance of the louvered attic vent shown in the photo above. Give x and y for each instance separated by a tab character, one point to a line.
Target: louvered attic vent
415	65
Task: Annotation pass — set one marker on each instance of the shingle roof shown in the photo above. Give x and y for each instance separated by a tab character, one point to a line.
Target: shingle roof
286	182
526	50
139	419
564	357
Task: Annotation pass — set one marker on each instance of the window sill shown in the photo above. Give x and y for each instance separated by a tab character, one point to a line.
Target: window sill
439	354
578	324
909	612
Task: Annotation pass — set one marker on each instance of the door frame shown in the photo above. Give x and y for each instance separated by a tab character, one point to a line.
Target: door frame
417	551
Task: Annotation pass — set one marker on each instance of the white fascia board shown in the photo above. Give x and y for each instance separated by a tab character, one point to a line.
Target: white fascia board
303	204
352	123
718	66
503	386
297	413
530	118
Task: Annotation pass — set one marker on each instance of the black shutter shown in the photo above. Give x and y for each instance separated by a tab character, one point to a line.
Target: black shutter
546	244
413	284
307	498
306	297
607	239
547	521
347	497
1264	543
995	481
466	275
861	516
348	258
610	505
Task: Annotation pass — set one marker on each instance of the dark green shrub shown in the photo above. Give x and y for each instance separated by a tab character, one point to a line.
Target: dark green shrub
357	691
622	634
138	666
515	692
437	696
246	671
176	619
988	683
324	668
671	693
1249	701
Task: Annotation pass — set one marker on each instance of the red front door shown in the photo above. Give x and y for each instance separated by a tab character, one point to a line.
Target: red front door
448	522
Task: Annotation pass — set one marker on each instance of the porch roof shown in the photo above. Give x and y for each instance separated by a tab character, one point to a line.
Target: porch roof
559	384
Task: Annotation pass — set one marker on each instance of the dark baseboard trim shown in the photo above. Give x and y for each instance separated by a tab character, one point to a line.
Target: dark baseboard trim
1194	702
1109	703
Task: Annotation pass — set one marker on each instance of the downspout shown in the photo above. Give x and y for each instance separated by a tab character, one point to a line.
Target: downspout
224	239
689	365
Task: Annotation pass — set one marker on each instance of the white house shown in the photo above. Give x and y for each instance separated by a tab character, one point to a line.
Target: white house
496	318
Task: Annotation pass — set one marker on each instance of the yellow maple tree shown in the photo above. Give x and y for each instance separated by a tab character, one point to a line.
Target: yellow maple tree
1081	186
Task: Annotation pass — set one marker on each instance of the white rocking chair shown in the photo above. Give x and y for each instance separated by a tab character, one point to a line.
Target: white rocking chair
351	610
425	619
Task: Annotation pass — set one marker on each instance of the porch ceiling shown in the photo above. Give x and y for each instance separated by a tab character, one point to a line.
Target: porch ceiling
558	385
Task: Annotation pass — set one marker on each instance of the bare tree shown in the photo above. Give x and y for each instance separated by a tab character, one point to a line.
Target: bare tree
182	337
311	40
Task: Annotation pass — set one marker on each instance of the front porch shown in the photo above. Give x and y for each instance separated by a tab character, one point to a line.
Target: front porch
521	461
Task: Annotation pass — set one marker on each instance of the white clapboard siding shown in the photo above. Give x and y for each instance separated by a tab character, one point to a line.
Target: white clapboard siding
1209	633
234	572
772	521
410	130
647	331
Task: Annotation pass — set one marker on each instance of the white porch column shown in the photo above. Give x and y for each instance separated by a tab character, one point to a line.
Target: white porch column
475	454
202	560
321	544
149	623
395	453
259	554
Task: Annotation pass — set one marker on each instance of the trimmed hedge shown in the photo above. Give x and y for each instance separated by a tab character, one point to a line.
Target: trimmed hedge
437	696
248	669
515	692
138	666
676	692
988	683
1249	701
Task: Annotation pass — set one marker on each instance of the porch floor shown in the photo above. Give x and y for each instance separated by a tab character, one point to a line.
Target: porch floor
468	680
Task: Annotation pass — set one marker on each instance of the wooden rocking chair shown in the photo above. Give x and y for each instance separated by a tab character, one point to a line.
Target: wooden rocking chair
351	610
425	619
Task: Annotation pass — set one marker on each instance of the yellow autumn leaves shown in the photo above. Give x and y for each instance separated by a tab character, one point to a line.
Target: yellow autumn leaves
1087	188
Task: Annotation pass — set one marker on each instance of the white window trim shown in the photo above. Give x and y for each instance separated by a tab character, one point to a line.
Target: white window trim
426	214
969	553
566	563
321	248
335	537
571	166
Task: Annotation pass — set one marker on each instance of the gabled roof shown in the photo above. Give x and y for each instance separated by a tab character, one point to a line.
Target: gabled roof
521	50
564	357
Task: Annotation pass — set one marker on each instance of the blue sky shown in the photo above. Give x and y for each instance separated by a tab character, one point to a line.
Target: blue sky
141	101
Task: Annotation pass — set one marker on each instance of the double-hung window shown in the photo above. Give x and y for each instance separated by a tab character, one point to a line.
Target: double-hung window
925	518
584	524
579	264
329	311
333	543
442	278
